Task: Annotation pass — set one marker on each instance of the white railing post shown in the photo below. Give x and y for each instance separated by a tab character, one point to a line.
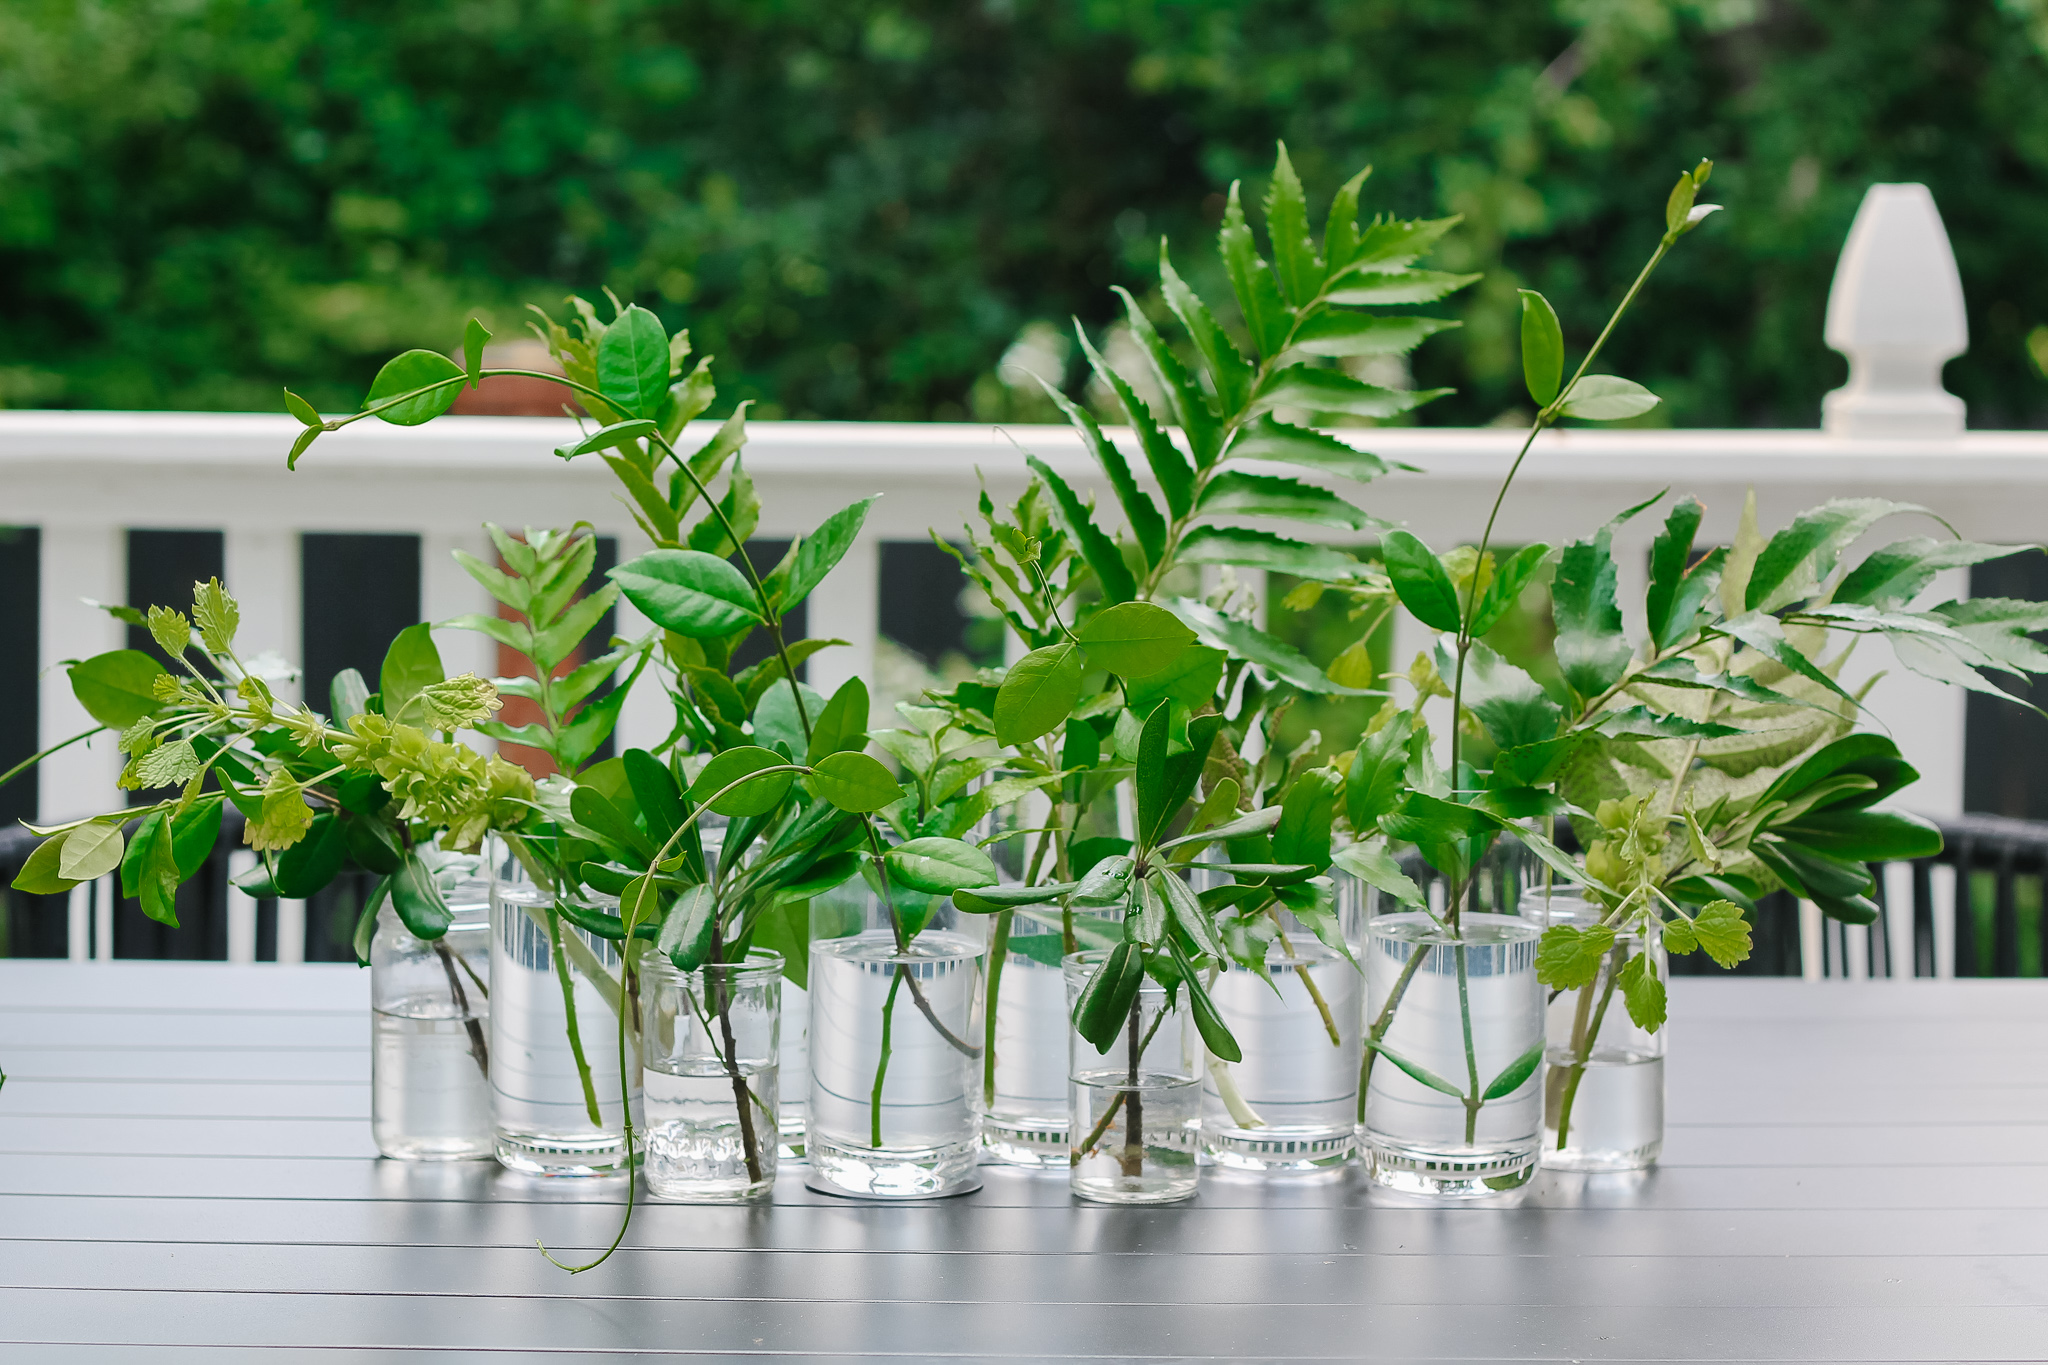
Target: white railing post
262	567
848	606
1896	311
79	560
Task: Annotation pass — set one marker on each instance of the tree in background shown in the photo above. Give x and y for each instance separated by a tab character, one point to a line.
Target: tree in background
864	208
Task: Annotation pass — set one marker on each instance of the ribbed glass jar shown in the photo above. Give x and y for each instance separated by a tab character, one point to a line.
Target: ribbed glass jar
713	1061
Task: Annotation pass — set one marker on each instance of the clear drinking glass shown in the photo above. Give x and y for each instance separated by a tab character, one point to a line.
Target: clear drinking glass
713	1060
896	1045
1603	1092
430	1006
1135	1112
555	997
1024	1077
1292	1103
795	1063
1466	1014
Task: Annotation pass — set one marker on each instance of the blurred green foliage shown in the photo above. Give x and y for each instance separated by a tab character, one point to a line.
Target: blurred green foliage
861	207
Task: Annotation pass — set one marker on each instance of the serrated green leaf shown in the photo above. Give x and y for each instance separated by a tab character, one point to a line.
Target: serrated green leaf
1267	550
1355	334
1186	405
1266	315
1592	651
1097	549
1235	493
1176	476
1376	867
1147	526
1569	958
1267	438
1365	284
1333	391
1643	991
1229	371
1294	251
1247	642
1723	931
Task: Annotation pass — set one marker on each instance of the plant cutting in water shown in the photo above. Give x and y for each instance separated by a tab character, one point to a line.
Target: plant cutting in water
1067	715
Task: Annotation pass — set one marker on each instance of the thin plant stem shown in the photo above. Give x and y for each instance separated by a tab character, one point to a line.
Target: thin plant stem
1116	1104
1585	1051
569	1018
998	952
882	1063
1301	970
1472	1101
1386	1017
1134	1102
478	1048
626	1110
18	769
716	978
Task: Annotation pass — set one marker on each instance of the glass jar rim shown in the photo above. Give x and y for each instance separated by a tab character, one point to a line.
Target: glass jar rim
759	962
1077	967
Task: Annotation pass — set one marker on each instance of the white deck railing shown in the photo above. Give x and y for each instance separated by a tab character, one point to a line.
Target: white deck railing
86	478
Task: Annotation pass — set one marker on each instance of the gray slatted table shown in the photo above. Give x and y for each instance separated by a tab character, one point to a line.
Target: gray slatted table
1854	1171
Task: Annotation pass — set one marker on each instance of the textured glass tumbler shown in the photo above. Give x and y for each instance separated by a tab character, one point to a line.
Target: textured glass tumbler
713	1059
430	1005
1453	1100
1603	1092
555	1092
1291	1104
896	1048
1135	1111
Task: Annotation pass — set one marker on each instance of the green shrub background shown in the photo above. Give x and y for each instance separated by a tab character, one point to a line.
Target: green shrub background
860	206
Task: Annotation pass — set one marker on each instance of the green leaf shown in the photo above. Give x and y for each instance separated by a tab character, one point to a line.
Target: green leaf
1363	285
1374	784
686	934
1504	589
1038	694
1640	722
595	810
1644	992
1185	403
1228	370
613	437
939	867
1266	316
1165	780
417	899
1234	493
1247	642
1592	652
91	850
1216	1035
410	664
1131	640
822	550
194	834
1723	931
1798	558
1508	702
1542	348
689	592
1354	334
1105	1002
987	900
1416	1070
1569	958
156	876
1176	476
1191	679
1187	911
1670	556
474	337
854	782
1294	251
1265	550
1306	815
1895	575
308	415
1376	867
39	875
1267	438
757	796
1333	391
1679	204
117	688
410	371
1340	230
1097	549
313	861
632	363
1841	889
1147	526
843	724
1397	241
1516	1073
775	718
1421	580
303	444
1607	398
1767	637
1870	836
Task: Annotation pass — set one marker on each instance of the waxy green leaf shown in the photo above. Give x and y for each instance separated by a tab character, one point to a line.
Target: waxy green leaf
117	688
1131	640
1038	693
407	372
1421	580
1607	398
689	592
633	363
748	794
1542	348
854	782
939	867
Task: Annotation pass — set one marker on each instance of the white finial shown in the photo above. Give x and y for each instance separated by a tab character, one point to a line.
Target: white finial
1896	310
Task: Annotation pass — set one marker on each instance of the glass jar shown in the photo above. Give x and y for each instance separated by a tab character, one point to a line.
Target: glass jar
713	1039
1452	1100
430	1007
556	1104
1024	1076
895	1045
1134	1112
1603	1092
